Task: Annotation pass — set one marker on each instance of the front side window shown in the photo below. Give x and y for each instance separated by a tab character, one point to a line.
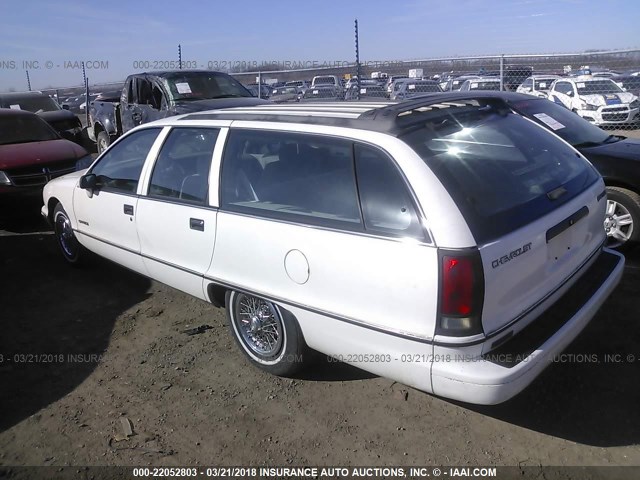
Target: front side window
291	176
119	168
181	171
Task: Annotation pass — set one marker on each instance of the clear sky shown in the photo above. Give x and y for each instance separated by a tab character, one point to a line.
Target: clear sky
53	36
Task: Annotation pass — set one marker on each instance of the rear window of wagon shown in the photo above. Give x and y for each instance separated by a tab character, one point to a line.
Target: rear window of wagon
498	166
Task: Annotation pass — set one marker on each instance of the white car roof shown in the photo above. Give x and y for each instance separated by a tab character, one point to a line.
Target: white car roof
587	78
328	109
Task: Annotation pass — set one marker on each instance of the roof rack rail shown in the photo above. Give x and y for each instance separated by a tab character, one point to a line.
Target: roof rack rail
402	114
392	119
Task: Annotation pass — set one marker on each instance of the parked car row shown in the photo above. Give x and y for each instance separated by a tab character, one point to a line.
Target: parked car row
596	99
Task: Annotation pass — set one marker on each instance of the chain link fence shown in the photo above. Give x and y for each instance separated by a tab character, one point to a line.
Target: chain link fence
602	87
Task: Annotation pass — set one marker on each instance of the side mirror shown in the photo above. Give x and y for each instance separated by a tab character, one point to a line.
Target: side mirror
88	182
65	107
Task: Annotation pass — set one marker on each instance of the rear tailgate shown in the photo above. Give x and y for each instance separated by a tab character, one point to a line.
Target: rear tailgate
526	266
534	205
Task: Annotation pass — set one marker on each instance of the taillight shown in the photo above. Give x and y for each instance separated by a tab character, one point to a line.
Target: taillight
461	294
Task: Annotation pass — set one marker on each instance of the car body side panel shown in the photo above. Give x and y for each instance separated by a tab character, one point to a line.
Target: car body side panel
383	283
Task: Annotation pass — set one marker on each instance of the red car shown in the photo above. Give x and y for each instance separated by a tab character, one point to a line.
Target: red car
32	153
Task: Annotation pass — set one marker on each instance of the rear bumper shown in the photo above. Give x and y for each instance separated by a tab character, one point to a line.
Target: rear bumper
506	371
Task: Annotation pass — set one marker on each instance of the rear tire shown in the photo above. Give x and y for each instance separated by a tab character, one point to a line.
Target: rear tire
72	251
622	220
267	334
103	140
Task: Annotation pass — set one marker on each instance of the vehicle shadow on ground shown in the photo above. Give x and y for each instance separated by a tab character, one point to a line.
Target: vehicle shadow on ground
323	368
591	394
56	321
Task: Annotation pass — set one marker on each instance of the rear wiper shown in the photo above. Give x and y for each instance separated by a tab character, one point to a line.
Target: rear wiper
609	139
587	144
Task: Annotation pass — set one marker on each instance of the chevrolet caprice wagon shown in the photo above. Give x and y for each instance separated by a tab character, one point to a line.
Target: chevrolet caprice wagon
444	242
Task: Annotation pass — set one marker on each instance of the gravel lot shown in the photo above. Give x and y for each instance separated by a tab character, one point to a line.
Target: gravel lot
83	349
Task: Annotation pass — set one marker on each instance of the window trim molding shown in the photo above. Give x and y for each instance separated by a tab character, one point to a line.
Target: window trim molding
141	177
145	192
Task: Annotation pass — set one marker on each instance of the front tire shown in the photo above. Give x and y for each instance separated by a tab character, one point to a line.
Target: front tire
268	335
73	253
622	220
103	140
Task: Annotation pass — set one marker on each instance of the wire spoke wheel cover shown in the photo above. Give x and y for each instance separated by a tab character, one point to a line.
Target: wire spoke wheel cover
259	326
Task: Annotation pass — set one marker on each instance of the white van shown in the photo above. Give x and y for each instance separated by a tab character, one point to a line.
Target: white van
444	242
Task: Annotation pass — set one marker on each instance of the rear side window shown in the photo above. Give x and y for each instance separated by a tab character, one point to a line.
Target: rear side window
498	166
386	204
181	171
295	177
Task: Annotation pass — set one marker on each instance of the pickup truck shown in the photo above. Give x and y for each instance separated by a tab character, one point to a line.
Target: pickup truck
153	95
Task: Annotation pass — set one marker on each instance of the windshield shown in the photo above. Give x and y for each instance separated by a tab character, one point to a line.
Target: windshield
597	86
324	81
32	104
201	86
367	91
498	166
456	84
423	87
24	129
284	91
566	124
543	83
320	93
484	85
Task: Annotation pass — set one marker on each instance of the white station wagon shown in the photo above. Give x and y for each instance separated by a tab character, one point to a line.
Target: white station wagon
445	242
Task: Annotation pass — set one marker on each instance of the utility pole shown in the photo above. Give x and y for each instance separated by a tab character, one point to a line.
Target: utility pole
180	56
28	80
357	62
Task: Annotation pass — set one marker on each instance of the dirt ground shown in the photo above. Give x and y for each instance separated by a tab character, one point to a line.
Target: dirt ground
83	349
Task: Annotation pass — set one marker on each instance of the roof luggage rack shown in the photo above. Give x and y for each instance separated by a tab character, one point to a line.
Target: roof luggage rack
385	117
